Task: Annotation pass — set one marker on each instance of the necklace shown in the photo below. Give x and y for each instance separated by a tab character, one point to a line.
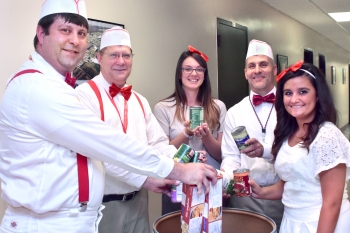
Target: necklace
263	128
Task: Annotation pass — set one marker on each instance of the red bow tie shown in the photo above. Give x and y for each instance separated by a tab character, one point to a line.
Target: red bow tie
70	80
125	91
258	99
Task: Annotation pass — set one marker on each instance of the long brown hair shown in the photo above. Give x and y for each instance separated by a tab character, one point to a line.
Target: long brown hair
287	124
211	109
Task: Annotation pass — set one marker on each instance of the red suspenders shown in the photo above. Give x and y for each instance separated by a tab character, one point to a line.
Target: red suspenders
83	173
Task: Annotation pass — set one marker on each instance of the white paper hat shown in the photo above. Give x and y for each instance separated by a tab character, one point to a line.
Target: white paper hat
63	6
257	47
115	36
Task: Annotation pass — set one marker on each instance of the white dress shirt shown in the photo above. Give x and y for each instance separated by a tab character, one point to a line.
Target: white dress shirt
143	128
242	114
41	122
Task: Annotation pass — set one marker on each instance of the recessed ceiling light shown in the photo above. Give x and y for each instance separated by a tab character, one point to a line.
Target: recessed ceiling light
340	16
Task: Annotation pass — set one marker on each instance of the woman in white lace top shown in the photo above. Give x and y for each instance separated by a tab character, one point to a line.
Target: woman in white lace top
312	156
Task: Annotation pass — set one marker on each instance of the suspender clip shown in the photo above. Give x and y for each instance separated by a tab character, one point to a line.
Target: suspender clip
82	206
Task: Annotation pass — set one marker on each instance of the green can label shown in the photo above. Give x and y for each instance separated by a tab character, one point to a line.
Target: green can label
196	116
184	154
197	157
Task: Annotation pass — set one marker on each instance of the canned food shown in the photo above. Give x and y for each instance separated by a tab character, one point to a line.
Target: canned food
176	193
197	157
240	135
242	187
184	154
196	116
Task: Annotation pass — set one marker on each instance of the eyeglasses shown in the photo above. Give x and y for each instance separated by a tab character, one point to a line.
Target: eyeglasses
189	70
125	56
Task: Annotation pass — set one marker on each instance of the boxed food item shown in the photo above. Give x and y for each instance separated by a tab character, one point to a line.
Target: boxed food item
192	209
212	215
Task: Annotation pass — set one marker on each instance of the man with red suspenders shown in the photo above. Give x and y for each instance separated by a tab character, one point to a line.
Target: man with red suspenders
129	112
51	145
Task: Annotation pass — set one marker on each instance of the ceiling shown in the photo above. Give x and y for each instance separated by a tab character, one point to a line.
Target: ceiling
314	14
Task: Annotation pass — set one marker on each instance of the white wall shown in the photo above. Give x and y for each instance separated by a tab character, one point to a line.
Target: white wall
161	29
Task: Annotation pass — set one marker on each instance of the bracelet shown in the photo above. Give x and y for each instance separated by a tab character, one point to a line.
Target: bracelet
187	136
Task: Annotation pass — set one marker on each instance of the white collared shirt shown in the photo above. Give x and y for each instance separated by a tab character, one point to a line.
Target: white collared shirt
144	129
242	114
41	122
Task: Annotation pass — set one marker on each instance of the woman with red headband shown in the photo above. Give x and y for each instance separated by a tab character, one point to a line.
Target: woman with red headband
312	156
192	88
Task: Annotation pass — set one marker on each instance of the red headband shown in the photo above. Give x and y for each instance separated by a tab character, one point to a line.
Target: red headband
193	50
292	68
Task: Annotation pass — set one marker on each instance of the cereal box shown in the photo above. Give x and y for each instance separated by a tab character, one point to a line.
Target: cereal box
192	209
212	215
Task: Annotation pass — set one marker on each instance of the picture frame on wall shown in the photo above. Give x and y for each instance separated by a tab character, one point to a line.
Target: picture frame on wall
282	63
344	75
333	75
89	67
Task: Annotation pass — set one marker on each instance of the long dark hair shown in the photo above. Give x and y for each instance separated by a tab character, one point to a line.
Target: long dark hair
325	110
211	109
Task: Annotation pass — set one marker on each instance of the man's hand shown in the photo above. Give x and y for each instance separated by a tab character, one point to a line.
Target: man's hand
159	185
195	174
255	150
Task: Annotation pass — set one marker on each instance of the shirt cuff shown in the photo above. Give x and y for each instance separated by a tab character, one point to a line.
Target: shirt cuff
165	166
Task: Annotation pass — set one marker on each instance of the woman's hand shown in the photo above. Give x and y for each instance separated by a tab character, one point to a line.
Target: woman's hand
201	131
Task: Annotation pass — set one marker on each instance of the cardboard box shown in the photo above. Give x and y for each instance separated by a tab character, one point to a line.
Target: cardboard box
192	209
212	215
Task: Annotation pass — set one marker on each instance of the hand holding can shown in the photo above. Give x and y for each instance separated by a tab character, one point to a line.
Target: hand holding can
241	184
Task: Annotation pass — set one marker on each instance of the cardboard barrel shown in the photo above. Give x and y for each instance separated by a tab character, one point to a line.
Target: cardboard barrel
233	220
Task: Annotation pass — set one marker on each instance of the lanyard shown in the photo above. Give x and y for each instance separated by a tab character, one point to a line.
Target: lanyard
263	128
125	123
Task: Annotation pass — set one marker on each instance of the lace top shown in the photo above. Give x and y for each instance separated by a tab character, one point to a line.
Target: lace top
300	169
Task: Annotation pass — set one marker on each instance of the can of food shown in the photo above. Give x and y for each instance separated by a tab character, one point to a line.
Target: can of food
227	183
197	157
176	193
242	187
184	154
240	135
196	116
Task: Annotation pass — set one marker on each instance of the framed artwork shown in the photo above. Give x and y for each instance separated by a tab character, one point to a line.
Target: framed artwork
282	63
344	75
89	67
333	75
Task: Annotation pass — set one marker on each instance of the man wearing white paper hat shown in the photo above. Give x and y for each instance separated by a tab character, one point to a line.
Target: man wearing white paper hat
47	185
126	195
257	113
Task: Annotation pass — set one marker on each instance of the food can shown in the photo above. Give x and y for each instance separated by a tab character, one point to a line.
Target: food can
184	154
176	193
196	116
240	135
227	183
197	157
242	187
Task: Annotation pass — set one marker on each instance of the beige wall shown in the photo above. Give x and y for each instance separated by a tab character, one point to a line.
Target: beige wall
161	29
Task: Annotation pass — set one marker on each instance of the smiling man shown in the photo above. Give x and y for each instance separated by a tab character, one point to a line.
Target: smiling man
257	113
129	112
